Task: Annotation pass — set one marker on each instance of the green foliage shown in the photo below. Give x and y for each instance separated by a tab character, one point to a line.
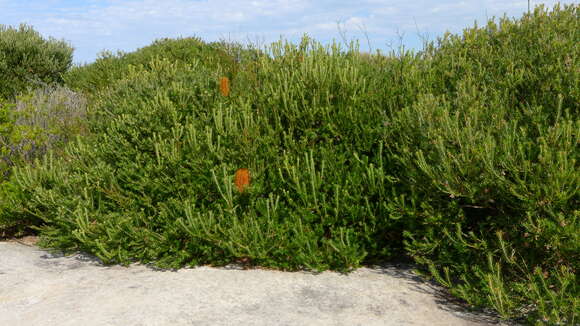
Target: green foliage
493	144
109	67
157	173
26	58
463	157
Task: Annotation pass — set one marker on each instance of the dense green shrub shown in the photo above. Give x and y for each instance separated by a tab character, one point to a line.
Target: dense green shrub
160	167
464	157
26	58
492	145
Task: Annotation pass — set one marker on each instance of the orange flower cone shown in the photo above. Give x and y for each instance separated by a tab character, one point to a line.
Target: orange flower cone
242	179
225	86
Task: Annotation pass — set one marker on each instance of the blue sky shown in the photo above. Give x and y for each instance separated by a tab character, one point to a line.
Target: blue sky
92	26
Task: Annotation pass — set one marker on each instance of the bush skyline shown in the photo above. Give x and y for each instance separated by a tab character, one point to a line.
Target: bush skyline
128	26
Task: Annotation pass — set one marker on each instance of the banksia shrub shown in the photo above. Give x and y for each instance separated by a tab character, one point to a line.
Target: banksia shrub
225	86
464	158
492	146
154	177
242	179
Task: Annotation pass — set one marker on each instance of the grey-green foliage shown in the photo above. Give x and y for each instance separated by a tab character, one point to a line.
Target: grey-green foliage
26	58
40	120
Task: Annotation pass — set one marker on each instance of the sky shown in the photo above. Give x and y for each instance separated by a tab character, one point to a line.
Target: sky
93	26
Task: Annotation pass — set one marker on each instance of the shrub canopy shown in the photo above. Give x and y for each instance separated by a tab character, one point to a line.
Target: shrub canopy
27	60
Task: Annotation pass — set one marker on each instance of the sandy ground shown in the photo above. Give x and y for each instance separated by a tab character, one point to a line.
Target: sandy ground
40	287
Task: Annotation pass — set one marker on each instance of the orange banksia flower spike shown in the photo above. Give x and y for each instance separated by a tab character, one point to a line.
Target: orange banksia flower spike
225	86
242	179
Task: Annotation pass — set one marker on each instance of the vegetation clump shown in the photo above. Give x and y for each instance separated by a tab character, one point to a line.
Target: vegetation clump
462	157
27	59
110	67
37	112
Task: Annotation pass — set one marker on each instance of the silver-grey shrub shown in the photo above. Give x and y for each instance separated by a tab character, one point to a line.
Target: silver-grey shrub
45	118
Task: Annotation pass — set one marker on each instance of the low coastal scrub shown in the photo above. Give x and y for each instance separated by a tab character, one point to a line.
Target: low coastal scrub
27	60
462	157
